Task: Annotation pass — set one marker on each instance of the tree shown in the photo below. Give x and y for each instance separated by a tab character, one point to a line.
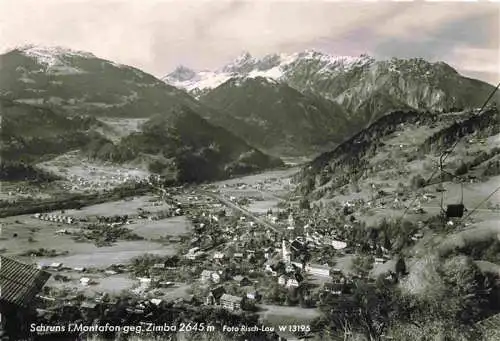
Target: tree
304	204
401	267
362	265
462	169
417	182
156	166
354	186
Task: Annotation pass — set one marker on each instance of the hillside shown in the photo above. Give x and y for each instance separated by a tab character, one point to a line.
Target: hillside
30	133
56	100
181	145
364	87
83	84
276	117
382	193
402	145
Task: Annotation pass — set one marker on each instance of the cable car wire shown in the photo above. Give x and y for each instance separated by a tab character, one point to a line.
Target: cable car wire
444	155
482	202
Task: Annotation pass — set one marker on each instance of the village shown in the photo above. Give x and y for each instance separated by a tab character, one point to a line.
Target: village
235	255
242	250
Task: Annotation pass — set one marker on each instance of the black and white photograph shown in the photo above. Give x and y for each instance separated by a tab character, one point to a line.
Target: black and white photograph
249	170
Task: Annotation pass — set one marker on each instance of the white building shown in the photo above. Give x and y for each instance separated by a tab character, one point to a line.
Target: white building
145	282
285	252
85	281
339	245
318	270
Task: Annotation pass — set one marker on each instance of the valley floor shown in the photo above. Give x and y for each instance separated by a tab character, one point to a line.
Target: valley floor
22	236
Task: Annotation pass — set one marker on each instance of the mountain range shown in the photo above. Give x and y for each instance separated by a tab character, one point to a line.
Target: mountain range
365	88
282	104
84	84
54	100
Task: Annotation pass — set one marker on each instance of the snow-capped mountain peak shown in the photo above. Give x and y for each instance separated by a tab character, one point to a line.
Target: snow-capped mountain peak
241	64
182	74
272	67
51	56
244	57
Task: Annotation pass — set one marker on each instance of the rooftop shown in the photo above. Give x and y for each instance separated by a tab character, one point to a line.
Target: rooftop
19	282
231	298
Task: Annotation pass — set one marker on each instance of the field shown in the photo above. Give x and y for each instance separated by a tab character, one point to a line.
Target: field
123	126
114	284
120	207
261	207
269	187
154	229
34	234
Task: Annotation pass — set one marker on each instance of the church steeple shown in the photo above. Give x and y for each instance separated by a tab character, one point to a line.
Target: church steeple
285	252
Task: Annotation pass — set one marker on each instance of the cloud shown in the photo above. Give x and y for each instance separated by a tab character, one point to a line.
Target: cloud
477	61
419	19
158	35
462	42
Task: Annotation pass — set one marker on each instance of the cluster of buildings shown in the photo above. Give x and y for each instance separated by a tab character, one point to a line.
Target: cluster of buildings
56	218
96	179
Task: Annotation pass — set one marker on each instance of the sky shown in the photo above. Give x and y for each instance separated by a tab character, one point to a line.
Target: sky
156	36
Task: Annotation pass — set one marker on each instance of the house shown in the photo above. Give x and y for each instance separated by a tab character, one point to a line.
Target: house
289	268
215	295
333	288
238	255
282	280
339	245
219	256
55	266
85	281
318	270
215	277
230	302
88	305
19	284
209	275
194	255
244	282
250	254
292	283
252	294
206	275
237	278
156	301
269	268
145	282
